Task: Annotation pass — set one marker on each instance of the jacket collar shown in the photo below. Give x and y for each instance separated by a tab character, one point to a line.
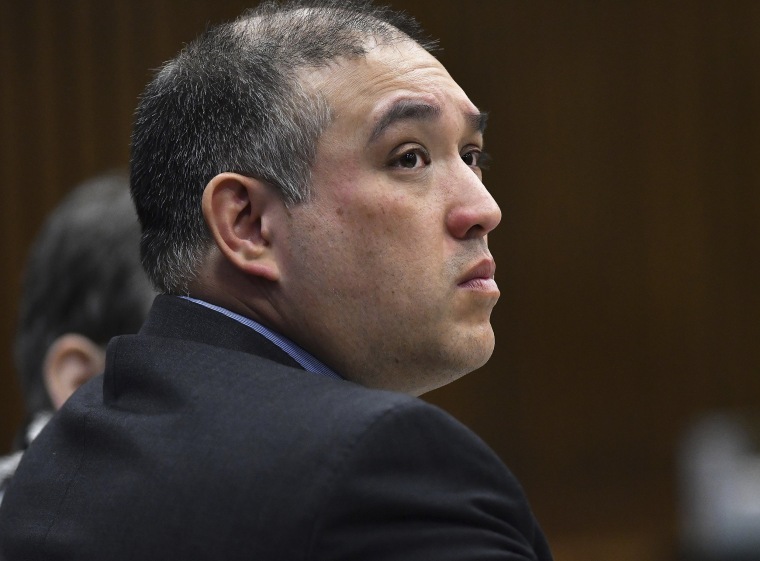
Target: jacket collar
177	318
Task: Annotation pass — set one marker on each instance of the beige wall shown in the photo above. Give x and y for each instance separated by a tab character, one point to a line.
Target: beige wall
626	137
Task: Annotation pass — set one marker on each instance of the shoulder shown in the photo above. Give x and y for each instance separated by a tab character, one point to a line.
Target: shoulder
435	489
390	436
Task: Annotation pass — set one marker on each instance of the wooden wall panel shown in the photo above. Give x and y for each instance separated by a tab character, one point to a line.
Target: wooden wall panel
626	138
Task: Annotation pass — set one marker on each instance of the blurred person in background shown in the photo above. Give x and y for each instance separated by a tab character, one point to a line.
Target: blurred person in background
83	284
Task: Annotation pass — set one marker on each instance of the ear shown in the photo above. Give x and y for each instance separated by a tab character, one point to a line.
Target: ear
70	361
241	212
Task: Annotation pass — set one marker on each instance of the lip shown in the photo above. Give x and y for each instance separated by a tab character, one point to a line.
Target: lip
480	277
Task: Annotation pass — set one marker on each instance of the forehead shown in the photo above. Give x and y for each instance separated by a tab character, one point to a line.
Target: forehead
361	90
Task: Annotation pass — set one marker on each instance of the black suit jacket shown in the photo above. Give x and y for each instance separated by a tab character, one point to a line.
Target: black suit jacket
203	440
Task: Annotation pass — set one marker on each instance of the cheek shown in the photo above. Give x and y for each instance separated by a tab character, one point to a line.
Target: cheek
377	207
379	228
378	233
396	248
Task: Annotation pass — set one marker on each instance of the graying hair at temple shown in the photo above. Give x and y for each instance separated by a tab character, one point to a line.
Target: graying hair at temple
231	101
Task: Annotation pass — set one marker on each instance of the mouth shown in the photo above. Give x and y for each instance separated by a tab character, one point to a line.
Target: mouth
480	277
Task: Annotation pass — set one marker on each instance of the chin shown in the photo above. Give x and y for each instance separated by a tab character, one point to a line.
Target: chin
481	347
459	360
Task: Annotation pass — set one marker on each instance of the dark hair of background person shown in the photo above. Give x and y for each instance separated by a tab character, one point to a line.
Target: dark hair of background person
83	275
232	101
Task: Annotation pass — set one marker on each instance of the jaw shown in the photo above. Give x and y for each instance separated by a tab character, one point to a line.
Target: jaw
418	367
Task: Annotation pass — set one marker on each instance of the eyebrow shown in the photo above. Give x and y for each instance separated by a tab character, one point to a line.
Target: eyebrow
405	110
478	121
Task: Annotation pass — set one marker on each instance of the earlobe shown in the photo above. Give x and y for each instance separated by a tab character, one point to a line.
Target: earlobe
70	361
240	213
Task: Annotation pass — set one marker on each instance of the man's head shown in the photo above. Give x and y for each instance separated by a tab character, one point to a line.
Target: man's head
233	100
83	284
367	245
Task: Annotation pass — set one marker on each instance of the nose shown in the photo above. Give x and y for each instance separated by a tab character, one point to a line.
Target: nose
474	212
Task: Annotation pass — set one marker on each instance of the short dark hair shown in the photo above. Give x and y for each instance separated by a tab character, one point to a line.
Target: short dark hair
231	101
83	275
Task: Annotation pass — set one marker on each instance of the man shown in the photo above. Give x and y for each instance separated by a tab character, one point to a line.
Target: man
308	181
83	284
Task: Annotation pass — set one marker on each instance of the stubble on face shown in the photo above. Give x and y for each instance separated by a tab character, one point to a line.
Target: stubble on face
372	265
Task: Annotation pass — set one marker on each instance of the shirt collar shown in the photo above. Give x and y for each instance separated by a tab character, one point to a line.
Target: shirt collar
302	357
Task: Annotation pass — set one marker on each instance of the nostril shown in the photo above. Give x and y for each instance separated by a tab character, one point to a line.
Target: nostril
476	231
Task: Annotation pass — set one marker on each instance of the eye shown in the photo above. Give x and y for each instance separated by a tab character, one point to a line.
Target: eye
408	160
476	159
411	159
